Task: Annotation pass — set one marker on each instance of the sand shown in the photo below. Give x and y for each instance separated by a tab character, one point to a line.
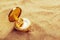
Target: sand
44	15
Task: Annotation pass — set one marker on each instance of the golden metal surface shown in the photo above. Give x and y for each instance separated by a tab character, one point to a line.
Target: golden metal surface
14	14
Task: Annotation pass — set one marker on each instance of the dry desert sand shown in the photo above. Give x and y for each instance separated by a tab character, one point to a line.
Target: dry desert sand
44	15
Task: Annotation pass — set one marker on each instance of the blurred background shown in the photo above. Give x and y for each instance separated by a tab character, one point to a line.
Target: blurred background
44	15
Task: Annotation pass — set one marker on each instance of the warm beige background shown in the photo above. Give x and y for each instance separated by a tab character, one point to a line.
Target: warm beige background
45	15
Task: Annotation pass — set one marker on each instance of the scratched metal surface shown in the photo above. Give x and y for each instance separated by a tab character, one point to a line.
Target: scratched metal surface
44	15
